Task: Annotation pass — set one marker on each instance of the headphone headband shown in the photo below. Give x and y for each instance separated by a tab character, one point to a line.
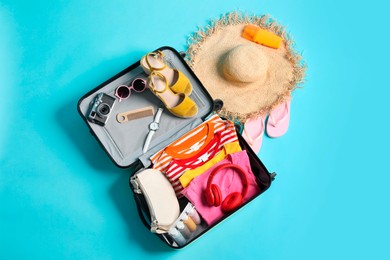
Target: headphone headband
238	169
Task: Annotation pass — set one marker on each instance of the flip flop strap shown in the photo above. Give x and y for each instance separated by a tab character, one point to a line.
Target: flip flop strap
157	55
250	140
284	118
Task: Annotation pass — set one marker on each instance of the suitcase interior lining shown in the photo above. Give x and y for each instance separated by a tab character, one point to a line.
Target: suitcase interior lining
124	141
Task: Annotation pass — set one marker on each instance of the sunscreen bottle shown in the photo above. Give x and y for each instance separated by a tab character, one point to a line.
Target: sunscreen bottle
256	34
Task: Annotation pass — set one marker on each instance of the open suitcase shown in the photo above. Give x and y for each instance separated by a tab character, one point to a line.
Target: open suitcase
124	142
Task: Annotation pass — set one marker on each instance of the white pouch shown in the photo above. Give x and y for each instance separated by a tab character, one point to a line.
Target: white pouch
161	198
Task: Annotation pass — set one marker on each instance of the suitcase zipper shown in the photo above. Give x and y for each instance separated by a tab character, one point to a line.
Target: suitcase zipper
138	188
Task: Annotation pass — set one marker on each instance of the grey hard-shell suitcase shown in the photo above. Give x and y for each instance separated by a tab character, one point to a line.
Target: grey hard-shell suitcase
124	142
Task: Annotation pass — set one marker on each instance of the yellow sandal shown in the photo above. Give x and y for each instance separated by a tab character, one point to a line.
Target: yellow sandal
179	104
176	80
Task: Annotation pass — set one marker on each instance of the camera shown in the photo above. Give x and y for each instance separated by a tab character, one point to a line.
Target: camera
100	109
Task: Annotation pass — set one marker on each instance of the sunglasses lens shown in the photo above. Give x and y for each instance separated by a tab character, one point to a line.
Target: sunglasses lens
123	92
139	85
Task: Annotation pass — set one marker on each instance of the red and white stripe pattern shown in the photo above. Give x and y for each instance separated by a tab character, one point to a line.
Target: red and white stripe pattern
224	133
177	167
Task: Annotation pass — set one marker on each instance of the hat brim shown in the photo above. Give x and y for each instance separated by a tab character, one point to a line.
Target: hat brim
244	100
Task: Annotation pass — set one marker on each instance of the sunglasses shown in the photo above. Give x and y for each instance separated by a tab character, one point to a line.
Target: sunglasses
123	91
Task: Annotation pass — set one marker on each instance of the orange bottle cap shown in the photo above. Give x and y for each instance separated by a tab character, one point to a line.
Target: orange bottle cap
250	31
256	34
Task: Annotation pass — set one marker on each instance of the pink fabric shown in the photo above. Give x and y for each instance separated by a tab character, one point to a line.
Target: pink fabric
227	180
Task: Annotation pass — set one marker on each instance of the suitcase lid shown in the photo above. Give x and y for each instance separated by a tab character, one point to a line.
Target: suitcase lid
124	142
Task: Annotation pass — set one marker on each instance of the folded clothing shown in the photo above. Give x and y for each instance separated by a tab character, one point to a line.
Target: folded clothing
177	167
194	149
227	180
189	175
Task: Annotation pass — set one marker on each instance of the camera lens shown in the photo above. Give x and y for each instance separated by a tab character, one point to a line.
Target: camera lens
103	109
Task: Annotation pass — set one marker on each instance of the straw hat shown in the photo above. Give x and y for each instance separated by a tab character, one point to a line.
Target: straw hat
250	78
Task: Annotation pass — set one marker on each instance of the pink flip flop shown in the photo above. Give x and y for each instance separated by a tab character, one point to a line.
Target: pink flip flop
253	132
278	120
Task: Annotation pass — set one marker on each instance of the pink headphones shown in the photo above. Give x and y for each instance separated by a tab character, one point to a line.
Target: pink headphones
213	193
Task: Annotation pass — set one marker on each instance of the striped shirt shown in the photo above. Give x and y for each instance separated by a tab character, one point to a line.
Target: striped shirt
194	149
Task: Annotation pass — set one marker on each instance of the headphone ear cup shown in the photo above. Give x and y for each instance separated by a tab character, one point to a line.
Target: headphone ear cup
231	202
209	197
217	195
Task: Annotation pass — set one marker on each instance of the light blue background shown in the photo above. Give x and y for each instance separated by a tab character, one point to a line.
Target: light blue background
62	197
